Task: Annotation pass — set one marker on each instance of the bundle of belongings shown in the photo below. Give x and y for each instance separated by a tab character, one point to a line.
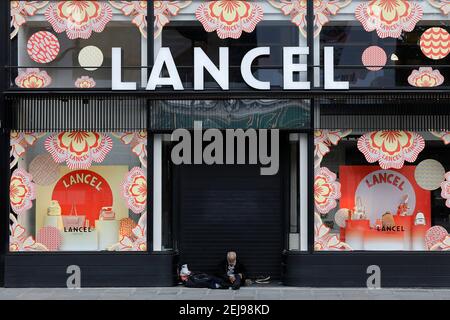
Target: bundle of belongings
200	279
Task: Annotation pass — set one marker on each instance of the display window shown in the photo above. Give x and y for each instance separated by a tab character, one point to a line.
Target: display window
78	191
386	44
68	44
382	190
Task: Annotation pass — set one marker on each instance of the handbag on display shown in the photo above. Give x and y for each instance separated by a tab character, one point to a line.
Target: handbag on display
107	213
54	209
74	220
387	220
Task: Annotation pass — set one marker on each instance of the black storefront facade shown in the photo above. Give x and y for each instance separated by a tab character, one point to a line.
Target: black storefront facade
362	170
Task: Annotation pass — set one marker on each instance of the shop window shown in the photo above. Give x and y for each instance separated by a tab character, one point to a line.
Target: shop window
385	44
382	190
78	191
62	44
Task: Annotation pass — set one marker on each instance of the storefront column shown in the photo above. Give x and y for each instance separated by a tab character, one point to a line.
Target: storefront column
157	192
5	19
303	190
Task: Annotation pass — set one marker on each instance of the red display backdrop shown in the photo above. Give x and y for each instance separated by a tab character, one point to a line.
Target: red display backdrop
383	190
85	191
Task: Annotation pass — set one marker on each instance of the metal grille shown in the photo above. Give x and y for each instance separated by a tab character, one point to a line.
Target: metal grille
99	113
379	113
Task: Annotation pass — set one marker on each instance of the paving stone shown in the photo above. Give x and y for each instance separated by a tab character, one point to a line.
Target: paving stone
247	293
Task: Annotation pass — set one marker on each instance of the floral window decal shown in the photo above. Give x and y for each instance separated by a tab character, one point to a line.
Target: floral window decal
85	82
21	191
33	78
138	143
78	148
229	18
325	240
326	190
445	186
20	10
137	240
297	10
163	11
20	141
391	148
443	135
324	139
134	190
389	17
443	5
135	9
426	77
79	18
19	240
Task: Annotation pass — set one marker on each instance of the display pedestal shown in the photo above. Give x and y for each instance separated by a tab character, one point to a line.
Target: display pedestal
80	241
418	238
354	233
406	222
54	221
108	233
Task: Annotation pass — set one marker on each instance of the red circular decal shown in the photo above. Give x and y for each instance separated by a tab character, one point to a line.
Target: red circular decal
83	192
43	47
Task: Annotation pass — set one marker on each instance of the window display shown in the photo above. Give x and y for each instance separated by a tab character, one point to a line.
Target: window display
67	44
78	191
381	190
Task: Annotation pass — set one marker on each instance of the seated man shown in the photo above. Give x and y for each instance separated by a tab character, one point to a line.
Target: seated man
232	271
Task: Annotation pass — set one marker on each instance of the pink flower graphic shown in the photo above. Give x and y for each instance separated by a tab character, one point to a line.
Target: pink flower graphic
297	10
79	18
163	12
443	135
138	143
78	148
21	191
443	5
135	9
324	139
229	18
425	77
134	190
326	190
20	10
33	78
20	141
391	148
85	82
137	241
18	239
324	240
445	187
389	17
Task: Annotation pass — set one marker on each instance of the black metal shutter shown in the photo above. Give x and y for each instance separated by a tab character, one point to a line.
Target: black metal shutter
224	208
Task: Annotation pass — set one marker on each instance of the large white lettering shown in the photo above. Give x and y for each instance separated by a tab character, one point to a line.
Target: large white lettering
159	77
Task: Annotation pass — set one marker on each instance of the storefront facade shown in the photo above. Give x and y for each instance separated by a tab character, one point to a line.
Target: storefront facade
348	100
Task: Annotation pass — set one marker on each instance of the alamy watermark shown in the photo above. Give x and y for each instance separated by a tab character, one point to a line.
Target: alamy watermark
374	280
74	279
227	147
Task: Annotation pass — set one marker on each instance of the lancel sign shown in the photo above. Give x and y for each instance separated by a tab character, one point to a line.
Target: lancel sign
220	73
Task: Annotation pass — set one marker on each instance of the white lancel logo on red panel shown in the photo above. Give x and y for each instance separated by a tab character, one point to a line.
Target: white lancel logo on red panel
382	191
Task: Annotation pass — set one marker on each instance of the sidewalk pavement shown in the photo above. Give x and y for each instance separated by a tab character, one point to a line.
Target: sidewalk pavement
246	293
